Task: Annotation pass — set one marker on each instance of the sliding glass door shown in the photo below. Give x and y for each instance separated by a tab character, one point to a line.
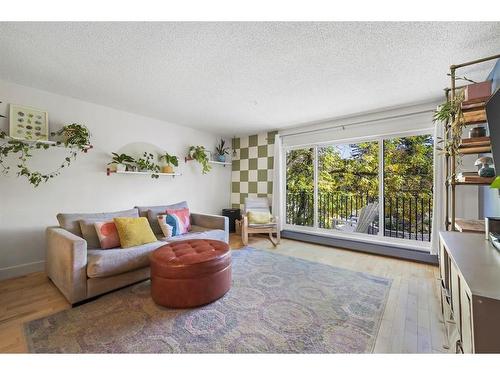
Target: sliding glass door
300	187
348	187
377	187
408	178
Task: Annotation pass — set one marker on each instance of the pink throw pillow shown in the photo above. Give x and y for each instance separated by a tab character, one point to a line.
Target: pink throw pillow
107	234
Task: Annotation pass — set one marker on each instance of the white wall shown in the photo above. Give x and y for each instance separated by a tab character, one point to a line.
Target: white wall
25	211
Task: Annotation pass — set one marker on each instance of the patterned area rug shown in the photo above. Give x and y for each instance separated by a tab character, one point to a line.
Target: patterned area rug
277	304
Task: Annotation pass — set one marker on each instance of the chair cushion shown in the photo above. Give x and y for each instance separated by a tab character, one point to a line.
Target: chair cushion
259	217
104	263
144	211
71	222
133	231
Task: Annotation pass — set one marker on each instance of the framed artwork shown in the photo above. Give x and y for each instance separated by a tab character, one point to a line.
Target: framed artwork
28	123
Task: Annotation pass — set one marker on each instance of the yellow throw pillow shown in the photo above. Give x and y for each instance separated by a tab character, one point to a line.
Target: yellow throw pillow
134	231
259	217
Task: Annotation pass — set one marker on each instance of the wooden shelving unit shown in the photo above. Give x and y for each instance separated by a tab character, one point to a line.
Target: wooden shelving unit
474	113
468	225
109	172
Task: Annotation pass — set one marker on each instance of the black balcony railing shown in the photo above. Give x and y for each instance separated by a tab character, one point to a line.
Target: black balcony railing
406	214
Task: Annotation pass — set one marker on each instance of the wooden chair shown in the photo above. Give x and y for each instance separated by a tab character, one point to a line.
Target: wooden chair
258	204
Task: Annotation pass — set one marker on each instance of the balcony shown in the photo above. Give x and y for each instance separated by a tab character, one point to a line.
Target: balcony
406	214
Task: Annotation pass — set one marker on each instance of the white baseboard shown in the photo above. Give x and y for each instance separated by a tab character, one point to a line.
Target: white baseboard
21	269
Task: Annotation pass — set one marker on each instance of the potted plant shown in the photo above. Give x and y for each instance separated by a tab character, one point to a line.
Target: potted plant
75	135
221	151
171	161
451	113
147	164
122	161
199	154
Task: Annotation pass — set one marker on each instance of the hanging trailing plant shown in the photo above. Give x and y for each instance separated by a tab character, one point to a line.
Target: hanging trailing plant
75	137
450	113
199	154
146	163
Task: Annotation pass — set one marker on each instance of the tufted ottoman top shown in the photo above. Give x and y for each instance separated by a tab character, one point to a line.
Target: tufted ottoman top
190	258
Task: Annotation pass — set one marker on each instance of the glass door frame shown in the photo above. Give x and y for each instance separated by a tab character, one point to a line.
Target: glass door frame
380	237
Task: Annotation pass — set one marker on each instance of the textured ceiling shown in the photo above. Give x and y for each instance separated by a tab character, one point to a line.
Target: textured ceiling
240	78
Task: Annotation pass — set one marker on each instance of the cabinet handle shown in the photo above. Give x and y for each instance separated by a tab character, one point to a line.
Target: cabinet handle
458	347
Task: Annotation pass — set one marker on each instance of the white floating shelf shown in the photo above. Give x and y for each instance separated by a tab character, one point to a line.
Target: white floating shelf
224	163
144	173
42	142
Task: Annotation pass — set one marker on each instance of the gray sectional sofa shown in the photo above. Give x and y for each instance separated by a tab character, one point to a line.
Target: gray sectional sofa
81	270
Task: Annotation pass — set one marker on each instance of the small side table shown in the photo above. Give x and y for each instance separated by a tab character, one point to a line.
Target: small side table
233	214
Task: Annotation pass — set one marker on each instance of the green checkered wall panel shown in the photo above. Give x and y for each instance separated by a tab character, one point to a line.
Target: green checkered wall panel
252	168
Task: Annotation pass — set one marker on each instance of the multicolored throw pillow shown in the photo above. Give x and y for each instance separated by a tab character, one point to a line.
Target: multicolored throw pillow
179	220
107	234
166	229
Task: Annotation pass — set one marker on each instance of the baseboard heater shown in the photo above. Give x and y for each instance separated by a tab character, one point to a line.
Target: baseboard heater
365	247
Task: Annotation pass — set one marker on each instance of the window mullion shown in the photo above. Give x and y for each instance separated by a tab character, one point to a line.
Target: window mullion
381	167
315	182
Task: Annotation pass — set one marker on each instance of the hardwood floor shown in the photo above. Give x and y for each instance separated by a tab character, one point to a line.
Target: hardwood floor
410	324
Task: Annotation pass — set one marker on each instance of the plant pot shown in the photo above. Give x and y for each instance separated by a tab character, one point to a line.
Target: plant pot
121	167
221	158
167	169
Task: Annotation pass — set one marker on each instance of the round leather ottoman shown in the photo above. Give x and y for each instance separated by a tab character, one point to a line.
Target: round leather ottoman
190	273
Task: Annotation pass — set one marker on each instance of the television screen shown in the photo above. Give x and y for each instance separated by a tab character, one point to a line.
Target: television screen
493	118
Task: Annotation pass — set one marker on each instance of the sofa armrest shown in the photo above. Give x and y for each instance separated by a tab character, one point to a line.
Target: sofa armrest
66	263
212	222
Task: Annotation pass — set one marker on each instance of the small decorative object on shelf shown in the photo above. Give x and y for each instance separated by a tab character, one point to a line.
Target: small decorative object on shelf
28	123
477	132
484	163
147	164
199	154
171	161
221	151
76	138
122	162
478	90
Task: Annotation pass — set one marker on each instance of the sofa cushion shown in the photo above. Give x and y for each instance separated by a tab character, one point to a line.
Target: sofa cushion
197	232
152	212
71	222
134	231
103	263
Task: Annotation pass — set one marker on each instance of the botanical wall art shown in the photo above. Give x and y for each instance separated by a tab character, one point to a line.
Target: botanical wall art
28	123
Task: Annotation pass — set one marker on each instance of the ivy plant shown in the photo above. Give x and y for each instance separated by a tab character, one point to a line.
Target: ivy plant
199	154
74	137
450	113
147	163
